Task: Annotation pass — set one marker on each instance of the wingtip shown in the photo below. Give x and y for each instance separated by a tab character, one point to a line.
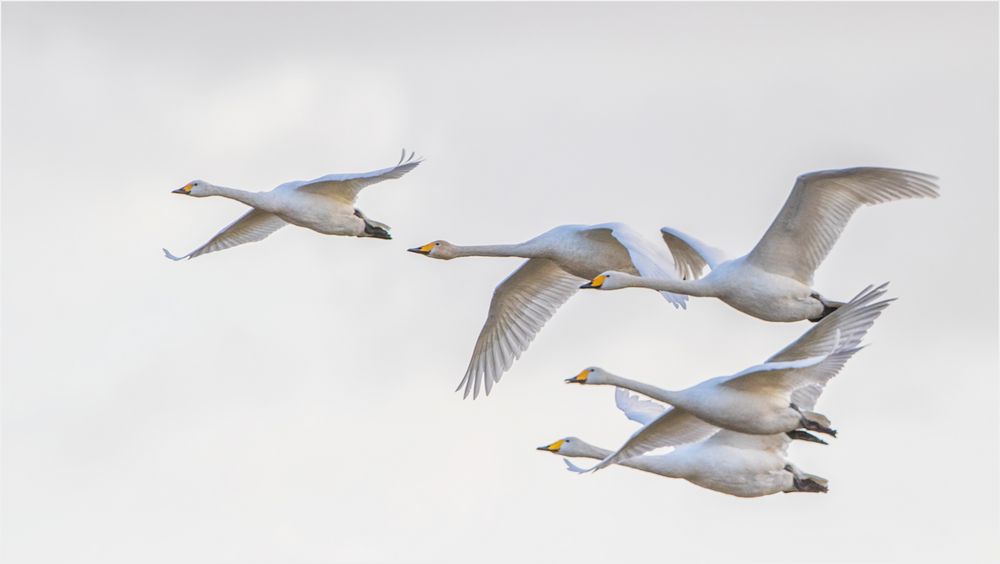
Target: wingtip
170	255
573	467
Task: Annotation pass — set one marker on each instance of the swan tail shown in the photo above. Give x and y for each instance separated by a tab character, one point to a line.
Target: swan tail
816	418
805	482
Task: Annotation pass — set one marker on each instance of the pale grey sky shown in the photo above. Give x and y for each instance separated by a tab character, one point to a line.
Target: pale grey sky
291	400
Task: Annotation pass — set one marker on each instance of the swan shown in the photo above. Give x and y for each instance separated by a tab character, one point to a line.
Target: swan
558	260
728	462
325	205
767	399
774	281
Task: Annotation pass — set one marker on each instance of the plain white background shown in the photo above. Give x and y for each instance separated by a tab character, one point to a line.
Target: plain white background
291	400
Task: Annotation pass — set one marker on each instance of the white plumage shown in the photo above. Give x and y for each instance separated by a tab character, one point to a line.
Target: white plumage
724	461
772	398
774	281
324	204
559	260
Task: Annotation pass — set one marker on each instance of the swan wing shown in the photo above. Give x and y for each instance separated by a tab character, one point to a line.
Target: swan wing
835	340
831	342
639	410
691	256
674	427
345	187
802	384
651	261
253	226
818	209
848	324
521	305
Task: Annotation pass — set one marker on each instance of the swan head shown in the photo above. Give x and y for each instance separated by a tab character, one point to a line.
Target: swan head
196	188
608	281
592	375
568	446
436	249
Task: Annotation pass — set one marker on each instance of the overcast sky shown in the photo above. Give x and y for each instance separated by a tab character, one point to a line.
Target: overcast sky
291	400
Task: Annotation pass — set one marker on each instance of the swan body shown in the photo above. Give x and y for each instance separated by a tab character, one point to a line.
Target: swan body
774	281
767	399
558	261
325	205
728	462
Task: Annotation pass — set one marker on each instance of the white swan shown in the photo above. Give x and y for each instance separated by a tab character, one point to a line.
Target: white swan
728	462
325	205
774	281
768	399
558	260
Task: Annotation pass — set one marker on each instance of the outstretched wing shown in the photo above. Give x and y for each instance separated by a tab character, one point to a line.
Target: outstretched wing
637	409
651	261
833	341
690	255
818	209
253	226
521	305
674	427
345	187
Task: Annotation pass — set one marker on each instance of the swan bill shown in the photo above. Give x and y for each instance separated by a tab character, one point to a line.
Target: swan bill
554	447
424	250
580	378
186	189
596	283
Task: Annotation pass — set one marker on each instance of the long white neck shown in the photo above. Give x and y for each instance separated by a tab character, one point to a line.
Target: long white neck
648	390
523	250
253	199
698	288
664	464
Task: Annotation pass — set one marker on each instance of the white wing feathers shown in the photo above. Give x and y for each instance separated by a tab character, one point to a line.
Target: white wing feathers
638	410
651	261
674	427
521	305
837	338
253	226
691	256
818	209
851	320
345	187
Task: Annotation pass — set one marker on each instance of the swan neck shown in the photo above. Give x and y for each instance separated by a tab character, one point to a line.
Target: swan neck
253	199
643	388
686	287
517	250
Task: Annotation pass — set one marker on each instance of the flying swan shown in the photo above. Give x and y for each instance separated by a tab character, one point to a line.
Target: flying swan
771	398
558	261
727	462
774	281
325	205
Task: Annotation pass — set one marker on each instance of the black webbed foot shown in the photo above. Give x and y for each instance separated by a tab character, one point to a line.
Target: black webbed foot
376	231
800	435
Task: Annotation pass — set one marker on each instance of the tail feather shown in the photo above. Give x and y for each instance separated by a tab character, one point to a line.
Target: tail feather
817	417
